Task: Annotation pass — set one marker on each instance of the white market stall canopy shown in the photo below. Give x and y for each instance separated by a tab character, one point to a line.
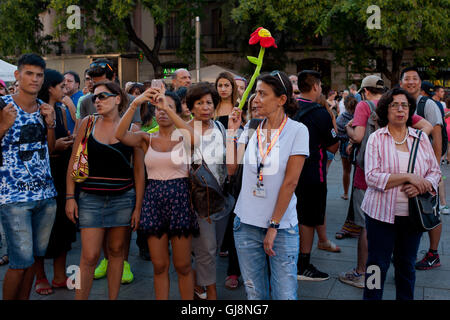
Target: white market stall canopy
210	73
7	71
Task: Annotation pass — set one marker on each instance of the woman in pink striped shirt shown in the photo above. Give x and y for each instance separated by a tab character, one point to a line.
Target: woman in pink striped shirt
389	187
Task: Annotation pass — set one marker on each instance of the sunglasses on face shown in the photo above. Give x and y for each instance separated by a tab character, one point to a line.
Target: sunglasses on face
102	96
102	65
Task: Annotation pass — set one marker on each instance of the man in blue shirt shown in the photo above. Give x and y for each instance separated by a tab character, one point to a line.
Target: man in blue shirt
353	91
27	193
72	90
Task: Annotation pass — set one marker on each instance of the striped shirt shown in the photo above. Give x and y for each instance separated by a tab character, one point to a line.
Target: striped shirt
381	160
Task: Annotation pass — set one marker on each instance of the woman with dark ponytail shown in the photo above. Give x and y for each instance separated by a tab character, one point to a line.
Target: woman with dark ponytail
266	217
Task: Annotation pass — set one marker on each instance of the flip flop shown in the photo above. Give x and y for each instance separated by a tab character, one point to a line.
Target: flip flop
4	260
328	246
231	282
41	290
344	197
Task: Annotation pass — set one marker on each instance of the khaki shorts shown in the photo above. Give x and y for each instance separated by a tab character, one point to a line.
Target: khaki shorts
358	197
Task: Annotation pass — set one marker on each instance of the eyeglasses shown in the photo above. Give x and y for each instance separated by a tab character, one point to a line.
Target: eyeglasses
277	73
102	65
396	105
102	96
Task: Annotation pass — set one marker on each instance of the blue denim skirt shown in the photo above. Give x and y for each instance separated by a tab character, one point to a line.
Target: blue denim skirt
106	211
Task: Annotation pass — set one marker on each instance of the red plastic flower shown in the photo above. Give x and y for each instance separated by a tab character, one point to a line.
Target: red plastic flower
264	38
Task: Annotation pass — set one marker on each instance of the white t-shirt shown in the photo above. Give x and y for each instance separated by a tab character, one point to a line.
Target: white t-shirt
256	211
341	106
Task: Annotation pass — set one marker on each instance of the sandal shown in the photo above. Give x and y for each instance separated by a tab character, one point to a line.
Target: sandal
42	289
231	282
328	246
57	285
344	196
4	260
342	235
223	254
199	295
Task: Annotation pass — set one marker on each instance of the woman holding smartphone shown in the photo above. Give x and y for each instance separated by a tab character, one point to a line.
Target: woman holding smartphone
166	214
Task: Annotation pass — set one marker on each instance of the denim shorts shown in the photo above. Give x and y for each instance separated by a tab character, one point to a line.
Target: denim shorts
330	155
106	211
27	227
342	149
249	241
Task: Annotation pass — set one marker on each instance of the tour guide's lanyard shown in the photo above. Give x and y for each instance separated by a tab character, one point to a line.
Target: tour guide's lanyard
259	144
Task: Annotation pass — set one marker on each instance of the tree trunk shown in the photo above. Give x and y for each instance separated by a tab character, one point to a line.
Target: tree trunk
151	55
396	60
397	57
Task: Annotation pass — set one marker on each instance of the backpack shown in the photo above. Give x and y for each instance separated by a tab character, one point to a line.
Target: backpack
421	112
371	126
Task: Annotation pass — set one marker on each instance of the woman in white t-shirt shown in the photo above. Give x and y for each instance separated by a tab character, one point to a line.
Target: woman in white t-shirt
266	217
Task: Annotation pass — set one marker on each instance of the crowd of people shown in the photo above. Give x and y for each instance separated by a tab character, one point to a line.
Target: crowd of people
107	161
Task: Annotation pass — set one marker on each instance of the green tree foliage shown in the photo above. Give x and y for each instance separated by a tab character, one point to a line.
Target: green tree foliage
419	25
21	27
107	24
112	24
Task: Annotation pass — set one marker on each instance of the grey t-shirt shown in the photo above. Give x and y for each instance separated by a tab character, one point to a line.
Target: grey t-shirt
431	112
87	108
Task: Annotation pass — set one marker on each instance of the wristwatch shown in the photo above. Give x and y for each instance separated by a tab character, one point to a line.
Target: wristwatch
274	224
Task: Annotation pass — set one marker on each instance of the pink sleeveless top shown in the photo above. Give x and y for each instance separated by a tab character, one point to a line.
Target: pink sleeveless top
166	165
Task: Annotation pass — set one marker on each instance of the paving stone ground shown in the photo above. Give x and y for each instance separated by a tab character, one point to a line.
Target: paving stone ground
430	285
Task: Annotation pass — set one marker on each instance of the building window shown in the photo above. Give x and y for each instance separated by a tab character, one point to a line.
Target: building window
173	34
217	29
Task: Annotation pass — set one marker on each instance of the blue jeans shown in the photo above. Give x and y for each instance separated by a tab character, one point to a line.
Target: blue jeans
27	227
383	240
249	242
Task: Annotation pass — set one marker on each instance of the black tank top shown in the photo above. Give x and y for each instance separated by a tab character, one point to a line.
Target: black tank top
110	168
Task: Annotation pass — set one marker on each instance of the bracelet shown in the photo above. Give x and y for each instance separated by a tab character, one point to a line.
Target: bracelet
70	194
68	198
52	126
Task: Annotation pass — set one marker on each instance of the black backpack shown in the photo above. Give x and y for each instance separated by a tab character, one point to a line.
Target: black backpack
421	112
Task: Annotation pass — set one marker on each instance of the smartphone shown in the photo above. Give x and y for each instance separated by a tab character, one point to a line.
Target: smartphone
157	83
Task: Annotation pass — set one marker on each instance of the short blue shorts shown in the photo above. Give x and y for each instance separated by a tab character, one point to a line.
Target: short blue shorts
27	227
106	211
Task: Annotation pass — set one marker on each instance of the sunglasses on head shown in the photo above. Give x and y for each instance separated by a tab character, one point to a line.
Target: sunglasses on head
277	73
102	65
102	96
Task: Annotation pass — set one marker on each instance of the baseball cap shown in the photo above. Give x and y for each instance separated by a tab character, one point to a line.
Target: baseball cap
3	84
372	81
428	87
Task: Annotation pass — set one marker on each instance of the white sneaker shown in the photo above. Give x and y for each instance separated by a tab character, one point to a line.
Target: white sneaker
444	209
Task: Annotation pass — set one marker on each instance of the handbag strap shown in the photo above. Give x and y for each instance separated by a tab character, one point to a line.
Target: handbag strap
89	127
413	155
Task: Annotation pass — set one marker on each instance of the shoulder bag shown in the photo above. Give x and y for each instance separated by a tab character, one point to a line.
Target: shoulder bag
207	197
423	209
80	171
